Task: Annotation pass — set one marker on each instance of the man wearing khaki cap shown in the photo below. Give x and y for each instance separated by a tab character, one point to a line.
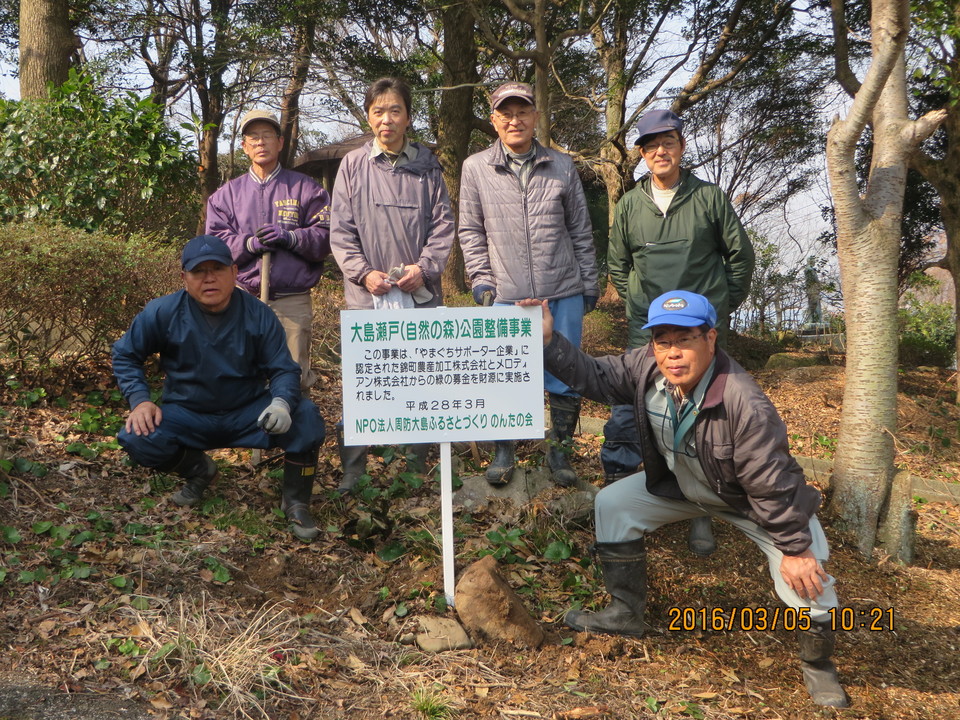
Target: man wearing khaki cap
287	214
525	232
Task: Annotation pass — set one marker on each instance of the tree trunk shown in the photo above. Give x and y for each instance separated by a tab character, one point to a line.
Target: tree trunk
868	237
455	117
46	44
290	105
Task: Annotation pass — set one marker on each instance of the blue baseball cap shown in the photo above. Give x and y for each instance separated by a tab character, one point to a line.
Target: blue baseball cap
203	248
681	308
657	121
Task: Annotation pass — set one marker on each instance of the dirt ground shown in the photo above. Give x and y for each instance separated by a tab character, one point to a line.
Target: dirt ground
217	612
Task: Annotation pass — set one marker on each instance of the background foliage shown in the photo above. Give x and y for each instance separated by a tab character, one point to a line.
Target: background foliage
66	294
87	160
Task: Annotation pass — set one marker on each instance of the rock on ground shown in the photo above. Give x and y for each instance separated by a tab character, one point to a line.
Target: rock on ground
491	610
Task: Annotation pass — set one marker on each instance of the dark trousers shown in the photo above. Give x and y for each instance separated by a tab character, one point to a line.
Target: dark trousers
181	428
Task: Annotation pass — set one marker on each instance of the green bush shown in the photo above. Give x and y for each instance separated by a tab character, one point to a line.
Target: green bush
927	332
66	294
94	162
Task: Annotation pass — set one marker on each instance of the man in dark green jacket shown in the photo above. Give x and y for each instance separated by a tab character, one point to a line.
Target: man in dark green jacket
673	231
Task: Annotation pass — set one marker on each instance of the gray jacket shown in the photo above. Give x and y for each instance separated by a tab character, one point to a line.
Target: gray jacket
383	216
741	440
537	243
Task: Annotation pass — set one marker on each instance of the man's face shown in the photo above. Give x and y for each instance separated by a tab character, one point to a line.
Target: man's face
262	144
211	284
389	120
662	154
683	354
515	121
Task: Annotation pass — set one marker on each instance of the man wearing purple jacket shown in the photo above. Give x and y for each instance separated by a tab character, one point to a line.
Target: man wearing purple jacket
287	214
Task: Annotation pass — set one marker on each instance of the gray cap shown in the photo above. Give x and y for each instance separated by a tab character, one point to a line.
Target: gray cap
261	115
518	90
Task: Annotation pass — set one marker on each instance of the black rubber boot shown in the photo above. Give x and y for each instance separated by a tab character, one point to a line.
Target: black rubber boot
500	471
611	478
299	470
819	672
353	464
625	575
700	539
564	414
199	469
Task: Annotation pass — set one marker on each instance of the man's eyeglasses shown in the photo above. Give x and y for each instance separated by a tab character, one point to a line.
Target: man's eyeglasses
506	118
684	342
668	144
265	138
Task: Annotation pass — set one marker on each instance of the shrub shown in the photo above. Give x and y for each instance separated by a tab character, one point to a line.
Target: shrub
95	162
66	294
927	331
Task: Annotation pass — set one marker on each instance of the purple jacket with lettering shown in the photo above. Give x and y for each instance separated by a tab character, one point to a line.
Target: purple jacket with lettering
289	199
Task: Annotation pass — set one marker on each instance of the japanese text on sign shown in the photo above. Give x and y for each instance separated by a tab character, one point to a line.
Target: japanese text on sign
442	375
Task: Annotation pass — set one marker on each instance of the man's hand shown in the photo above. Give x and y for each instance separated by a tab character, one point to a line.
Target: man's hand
144	418
412	278
377	282
803	574
255	247
277	237
547	317
275	419
589	303
480	290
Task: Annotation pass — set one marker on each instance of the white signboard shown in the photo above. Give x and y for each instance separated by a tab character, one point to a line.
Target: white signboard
442	375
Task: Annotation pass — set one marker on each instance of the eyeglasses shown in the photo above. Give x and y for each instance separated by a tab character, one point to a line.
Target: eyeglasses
521	117
256	139
684	342
668	144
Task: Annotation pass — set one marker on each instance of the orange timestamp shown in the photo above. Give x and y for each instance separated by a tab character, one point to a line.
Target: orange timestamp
762	619
759	619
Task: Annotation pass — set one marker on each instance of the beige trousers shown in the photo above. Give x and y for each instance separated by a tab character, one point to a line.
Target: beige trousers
296	315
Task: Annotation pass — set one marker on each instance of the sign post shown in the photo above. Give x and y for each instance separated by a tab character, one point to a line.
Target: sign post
442	375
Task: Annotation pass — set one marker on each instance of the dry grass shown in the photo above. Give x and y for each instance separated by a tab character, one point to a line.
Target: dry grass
200	645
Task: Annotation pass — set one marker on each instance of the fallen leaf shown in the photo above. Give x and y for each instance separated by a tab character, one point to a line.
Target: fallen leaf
357	616
161	703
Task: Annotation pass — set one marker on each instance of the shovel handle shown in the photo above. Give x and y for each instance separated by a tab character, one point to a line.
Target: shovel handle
265	276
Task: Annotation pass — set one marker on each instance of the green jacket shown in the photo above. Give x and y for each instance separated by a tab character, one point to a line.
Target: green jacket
699	245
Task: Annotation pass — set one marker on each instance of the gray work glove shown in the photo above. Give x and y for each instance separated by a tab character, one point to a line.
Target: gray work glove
275	419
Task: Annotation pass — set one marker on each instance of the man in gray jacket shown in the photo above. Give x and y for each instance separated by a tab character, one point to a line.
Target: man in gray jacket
525	232
713	444
391	226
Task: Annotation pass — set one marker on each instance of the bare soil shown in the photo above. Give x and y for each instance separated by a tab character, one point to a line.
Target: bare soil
200	576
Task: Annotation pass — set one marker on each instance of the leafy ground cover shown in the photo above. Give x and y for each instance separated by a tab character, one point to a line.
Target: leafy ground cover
216	612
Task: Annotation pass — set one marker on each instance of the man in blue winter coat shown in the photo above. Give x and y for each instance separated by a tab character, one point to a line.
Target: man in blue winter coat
229	382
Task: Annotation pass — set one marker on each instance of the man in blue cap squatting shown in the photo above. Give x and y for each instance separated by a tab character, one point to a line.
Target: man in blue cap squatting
229	382
713	444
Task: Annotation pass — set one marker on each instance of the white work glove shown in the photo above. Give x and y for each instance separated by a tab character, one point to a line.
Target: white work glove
275	419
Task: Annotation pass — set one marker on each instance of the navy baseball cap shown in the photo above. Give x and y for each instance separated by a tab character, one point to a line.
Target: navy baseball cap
682	308
203	248
657	121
